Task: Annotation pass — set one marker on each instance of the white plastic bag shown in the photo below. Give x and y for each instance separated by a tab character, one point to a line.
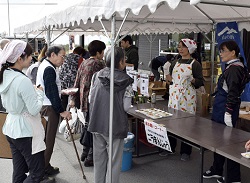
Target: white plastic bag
76	125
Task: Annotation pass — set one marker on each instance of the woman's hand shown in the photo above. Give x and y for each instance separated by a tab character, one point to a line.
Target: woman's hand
169	79
71	103
66	115
247	145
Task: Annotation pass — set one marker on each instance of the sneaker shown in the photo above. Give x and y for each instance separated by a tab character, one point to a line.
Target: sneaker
47	179
222	180
88	163
209	174
185	157
166	153
50	170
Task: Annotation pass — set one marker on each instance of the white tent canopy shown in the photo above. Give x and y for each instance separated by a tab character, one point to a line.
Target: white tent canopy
167	16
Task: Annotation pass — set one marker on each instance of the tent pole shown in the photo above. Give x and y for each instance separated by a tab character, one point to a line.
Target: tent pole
111	109
48	37
212	61
59	35
36	36
118	32
221	4
105	31
210	41
133	28
27	37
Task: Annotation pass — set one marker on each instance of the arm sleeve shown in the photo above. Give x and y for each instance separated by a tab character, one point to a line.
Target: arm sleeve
51	89
127	98
166	68
233	78
197	74
91	87
77	81
32	98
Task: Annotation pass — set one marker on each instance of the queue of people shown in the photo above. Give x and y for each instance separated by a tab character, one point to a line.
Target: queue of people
32	145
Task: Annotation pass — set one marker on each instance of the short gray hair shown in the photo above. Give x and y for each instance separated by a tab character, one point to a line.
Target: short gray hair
55	48
119	55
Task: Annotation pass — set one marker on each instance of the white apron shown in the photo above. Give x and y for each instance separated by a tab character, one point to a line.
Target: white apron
38	143
182	95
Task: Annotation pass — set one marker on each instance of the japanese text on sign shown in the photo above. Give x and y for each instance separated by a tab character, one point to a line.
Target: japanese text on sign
157	135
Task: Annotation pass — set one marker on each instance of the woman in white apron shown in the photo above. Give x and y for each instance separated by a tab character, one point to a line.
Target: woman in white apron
186	76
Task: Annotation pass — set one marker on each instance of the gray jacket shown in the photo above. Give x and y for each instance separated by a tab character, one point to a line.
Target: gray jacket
99	103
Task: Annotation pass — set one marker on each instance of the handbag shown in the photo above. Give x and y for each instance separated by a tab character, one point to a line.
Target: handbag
86	137
76	125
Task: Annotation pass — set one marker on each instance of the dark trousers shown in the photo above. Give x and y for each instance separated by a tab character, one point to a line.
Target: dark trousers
185	148
24	161
233	171
64	99
50	133
87	150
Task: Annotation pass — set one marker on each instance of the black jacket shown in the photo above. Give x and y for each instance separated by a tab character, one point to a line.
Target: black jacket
132	56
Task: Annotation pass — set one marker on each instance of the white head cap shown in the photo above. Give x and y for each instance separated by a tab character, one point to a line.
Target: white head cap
190	44
12	51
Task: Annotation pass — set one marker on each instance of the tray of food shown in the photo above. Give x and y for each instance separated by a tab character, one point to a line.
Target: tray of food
69	91
154	113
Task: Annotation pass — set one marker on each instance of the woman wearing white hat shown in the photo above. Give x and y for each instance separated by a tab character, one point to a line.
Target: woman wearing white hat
23	103
186	75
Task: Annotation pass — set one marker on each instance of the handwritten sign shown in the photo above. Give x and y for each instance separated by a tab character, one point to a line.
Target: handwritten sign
144	81
157	135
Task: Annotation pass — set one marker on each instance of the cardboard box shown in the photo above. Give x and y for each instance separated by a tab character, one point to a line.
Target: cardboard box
202	104
207	85
216	64
5	151
206	72
216	71
159	87
206	64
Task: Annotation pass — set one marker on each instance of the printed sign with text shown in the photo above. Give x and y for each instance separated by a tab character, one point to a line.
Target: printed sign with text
157	135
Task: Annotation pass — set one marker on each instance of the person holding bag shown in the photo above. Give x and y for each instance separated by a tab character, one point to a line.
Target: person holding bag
23	128
82	82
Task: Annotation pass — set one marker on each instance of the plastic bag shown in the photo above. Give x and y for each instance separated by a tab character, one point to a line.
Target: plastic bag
76	125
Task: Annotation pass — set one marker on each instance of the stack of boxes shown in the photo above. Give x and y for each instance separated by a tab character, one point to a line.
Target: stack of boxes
206	71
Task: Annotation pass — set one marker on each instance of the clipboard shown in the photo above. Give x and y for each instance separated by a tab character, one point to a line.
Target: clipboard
5	151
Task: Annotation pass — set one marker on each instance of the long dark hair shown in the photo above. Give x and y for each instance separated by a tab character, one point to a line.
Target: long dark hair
26	53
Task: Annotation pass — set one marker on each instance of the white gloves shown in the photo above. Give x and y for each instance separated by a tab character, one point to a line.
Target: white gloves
228	119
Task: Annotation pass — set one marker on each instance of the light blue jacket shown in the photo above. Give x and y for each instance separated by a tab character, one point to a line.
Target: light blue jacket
19	96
